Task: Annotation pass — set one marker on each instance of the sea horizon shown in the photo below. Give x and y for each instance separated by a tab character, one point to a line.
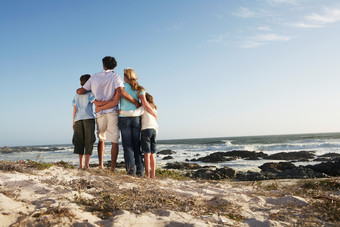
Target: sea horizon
188	140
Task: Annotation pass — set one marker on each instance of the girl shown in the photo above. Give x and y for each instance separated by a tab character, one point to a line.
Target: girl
148	134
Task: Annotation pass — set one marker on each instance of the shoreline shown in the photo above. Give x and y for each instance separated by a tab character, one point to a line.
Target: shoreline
61	194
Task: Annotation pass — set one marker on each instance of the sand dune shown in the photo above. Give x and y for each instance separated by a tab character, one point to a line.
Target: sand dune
61	196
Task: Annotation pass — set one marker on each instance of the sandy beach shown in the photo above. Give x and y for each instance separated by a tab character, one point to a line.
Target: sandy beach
60	195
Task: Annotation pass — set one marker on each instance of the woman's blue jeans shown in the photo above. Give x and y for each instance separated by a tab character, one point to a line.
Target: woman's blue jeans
130	129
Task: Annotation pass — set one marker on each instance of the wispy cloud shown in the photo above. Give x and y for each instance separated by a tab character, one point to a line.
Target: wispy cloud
219	39
260	40
263	28
317	20
245	12
272	37
329	16
292	2
251	44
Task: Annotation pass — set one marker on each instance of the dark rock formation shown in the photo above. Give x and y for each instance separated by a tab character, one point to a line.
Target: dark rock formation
327	157
281	170
331	168
183	165
214	158
167	157
299	155
277	167
230	156
166	152
209	174
249	155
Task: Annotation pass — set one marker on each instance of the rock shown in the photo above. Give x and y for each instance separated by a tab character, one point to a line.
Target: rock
209	174
166	152
299	155
183	165
231	155
167	157
249	155
327	157
254	176
330	155
214	158
276	167
331	168
282	170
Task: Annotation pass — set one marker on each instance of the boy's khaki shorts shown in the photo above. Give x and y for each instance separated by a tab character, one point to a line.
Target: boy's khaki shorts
107	127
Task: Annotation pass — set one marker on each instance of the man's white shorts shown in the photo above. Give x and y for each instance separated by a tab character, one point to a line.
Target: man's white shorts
107	127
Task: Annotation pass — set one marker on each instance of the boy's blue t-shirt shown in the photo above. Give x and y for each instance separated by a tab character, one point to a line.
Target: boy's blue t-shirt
125	104
84	104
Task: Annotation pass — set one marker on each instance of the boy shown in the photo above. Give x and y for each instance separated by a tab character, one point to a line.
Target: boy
83	124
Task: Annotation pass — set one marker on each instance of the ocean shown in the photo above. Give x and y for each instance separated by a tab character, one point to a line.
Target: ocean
187	149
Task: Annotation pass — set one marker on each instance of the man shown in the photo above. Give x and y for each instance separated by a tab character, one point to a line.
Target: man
107	86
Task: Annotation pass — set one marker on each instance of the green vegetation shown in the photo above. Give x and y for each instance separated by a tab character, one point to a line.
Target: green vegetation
165	173
64	164
327	185
38	165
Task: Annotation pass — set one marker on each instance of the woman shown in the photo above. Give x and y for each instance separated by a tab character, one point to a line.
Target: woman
130	127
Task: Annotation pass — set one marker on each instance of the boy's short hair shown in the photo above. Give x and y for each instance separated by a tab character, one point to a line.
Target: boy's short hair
109	62
84	78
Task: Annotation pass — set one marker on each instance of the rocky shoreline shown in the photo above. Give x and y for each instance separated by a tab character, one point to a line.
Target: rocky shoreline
330	167
6	149
284	169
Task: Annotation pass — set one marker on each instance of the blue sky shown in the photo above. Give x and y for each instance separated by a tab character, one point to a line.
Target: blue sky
216	68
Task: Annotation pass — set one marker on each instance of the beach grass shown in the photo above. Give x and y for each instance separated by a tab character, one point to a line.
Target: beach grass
113	191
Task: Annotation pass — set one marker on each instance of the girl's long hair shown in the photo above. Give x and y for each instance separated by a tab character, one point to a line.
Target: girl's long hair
131	79
149	98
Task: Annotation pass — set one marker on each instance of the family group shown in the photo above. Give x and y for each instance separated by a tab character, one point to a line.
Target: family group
122	106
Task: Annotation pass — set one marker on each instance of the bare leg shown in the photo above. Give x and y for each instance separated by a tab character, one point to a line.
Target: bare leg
101	148
114	155
81	161
87	161
147	164
153	165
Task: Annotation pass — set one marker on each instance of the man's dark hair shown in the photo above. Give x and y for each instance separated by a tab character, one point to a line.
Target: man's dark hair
84	78
109	62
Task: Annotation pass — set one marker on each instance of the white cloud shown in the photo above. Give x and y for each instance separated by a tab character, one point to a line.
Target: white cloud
251	44
329	16
292	2
305	25
316	20
263	28
260	40
245	12
272	37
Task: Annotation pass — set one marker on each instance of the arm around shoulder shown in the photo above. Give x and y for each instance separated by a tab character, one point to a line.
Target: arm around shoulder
147	106
128	97
81	91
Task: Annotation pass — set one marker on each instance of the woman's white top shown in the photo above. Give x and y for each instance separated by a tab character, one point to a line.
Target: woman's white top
148	121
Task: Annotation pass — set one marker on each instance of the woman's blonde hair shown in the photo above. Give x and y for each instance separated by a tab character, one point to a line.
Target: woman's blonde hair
132	80
149	98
